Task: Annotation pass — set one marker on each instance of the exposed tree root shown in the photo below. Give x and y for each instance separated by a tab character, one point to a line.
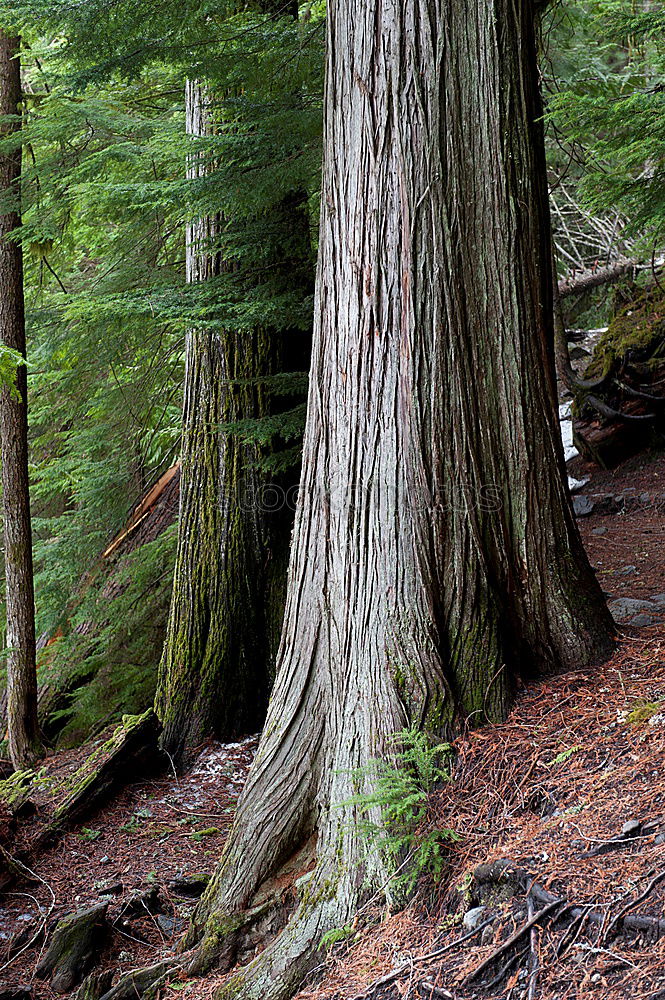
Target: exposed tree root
504	873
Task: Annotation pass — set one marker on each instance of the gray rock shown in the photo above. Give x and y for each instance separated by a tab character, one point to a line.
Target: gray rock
582	506
660	839
641	621
658	599
599	531
169	925
631	827
645	497
475	917
625	608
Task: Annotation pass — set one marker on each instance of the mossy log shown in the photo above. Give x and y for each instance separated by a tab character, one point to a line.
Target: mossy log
629	364
15	791
133	743
71	953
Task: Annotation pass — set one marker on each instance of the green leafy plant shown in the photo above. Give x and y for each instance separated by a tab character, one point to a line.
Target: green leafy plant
562	757
88	834
395	813
336	935
10	360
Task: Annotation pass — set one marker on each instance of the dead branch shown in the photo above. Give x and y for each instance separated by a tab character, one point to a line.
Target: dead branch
514	938
584	281
634	902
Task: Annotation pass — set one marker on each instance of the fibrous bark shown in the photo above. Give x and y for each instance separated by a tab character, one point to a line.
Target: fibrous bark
435	555
23	732
229	583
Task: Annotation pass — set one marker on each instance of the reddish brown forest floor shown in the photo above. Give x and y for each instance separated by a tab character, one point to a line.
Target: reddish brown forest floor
580	756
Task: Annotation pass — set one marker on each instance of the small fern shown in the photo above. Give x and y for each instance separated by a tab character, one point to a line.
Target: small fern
400	788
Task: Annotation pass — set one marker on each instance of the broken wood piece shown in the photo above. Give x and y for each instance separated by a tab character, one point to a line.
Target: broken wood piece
75	942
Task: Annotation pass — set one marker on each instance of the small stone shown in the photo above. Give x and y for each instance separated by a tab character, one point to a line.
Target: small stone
169	925
599	531
473	918
105	860
625	608
627	570
645	498
641	621
595	977
660	839
582	506
631	827
488	935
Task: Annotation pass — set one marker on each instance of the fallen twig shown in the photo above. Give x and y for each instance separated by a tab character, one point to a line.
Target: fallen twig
407	966
629	906
519	933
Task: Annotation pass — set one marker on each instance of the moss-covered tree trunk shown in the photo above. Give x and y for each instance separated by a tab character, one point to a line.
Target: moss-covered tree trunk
435	556
229	583
22	728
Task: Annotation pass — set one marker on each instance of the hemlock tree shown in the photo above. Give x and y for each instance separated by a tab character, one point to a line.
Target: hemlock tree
413	597
228	592
23	732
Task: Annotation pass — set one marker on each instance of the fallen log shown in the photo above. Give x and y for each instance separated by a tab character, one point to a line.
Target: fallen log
132	749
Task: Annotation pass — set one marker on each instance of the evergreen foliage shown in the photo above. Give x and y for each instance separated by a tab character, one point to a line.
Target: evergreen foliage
106	201
395	813
606	114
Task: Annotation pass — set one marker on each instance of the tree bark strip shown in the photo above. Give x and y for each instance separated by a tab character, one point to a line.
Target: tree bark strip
23	733
229	584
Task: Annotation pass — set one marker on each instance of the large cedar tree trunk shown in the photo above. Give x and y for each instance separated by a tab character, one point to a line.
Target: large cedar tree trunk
23	732
435	556
229	583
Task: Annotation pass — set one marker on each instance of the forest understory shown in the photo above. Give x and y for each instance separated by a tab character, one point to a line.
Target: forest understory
568	792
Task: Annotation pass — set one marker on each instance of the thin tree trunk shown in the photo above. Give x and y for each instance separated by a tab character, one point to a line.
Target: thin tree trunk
229	584
23	732
435	555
